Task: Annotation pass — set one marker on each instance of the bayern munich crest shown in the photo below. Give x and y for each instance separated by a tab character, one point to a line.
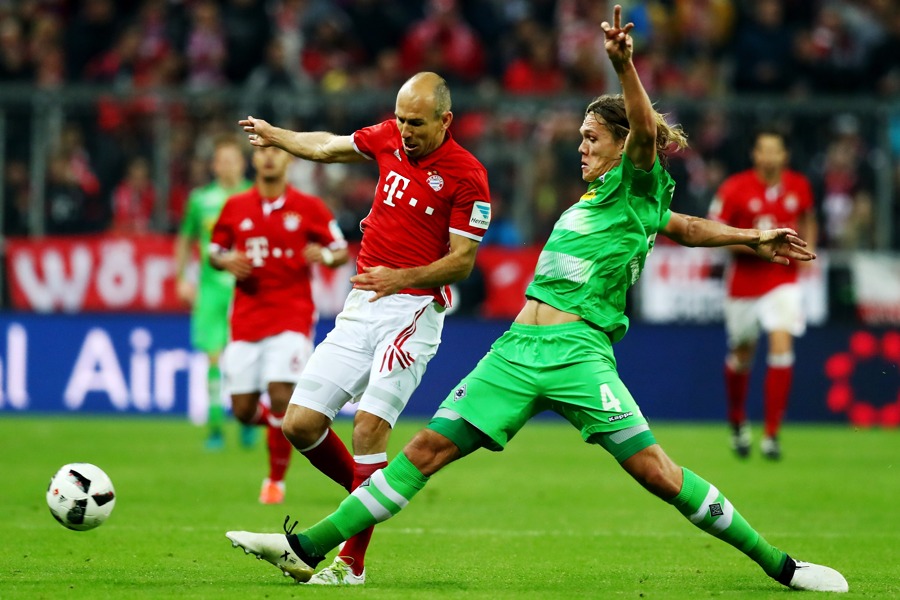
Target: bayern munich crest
291	221
435	181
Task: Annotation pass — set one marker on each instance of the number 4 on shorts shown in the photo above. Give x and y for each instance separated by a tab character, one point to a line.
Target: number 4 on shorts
608	399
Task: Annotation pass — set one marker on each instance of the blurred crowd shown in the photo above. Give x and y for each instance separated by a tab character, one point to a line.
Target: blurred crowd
102	170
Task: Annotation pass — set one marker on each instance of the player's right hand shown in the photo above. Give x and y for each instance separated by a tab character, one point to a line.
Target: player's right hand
258	131
237	264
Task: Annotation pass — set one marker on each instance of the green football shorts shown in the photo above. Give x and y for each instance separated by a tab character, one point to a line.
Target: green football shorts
209	318
568	369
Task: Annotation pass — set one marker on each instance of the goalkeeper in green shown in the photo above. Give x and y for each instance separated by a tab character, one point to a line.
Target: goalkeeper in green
210	293
558	354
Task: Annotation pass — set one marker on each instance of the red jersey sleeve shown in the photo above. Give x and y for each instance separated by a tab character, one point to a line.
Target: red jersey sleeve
324	229
471	212
368	139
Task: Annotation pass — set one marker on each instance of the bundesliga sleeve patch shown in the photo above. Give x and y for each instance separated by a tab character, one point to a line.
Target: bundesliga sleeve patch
481	215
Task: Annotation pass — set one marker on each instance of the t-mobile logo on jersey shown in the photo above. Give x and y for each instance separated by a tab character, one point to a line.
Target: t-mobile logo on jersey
257	250
392	182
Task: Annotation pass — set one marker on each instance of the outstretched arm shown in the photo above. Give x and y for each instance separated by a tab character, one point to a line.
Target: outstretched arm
318	146
640	145
774	245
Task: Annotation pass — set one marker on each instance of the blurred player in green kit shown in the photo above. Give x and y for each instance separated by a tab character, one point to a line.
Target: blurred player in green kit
210	295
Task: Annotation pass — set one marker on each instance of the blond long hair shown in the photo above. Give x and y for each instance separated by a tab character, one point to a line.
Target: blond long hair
611	109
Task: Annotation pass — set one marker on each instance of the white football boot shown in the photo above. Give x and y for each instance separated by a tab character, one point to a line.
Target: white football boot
274	548
338	573
816	578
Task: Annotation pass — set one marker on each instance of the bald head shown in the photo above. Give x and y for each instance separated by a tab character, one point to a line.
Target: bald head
427	87
423	113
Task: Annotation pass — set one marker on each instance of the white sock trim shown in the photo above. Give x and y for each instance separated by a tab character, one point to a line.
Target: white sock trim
370	459
785	359
317	442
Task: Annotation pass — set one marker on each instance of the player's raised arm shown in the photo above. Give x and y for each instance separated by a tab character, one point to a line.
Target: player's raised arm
318	146
640	145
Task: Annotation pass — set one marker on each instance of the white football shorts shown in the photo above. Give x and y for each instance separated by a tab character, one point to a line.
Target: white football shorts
780	309
249	367
376	353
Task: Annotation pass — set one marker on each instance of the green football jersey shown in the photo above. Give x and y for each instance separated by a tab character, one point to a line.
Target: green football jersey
203	209
598	246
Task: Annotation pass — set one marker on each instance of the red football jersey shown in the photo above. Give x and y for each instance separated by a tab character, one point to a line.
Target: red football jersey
743	200
419	203
277	296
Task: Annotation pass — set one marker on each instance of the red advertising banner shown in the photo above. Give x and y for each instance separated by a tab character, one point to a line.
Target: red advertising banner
507	272
110	273
94	273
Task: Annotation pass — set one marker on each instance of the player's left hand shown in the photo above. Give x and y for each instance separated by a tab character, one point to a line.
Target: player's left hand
313	253
186	291
383	281
781	246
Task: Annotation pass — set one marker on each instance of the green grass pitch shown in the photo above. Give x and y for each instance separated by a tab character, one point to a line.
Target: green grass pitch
551	517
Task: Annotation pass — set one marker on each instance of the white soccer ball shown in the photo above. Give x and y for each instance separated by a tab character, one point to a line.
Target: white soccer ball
81	496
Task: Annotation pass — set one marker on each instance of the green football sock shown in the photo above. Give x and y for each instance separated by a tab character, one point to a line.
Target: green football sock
216	415
707	508
378	499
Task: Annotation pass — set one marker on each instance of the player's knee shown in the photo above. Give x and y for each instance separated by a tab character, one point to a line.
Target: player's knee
369	432
280	395
739	360
656	472
661	481
243	409
430	451
304	428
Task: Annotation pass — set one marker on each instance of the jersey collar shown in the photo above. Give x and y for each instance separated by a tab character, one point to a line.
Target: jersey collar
436	154
595	184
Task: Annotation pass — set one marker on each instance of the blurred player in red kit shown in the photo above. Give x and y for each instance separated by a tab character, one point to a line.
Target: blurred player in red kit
763	297
268	237
430	212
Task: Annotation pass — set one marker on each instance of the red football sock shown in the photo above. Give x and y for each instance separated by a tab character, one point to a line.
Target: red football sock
331	457
262	416
355	548
778	388
280	450
736	384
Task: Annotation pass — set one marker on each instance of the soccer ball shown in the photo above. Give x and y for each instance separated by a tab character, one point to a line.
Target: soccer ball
81	496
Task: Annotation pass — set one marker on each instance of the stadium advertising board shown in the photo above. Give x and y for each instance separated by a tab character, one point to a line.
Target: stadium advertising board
687	285
113	274
876	282
142	364
72	274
